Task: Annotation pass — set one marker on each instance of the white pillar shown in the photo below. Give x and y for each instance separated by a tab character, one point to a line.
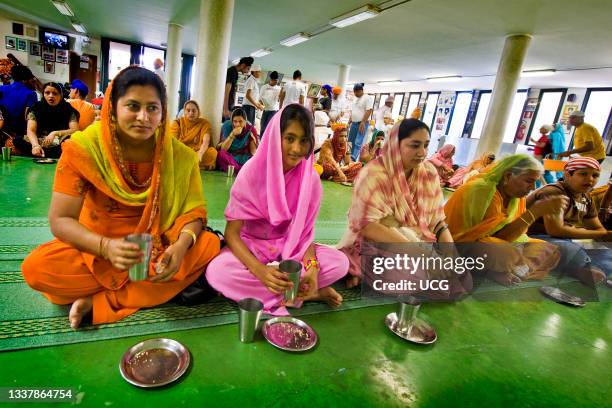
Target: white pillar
506	83
343	76
173	67
212	56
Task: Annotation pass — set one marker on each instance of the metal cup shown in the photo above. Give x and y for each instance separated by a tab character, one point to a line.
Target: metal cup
407	313
140	271
248	317
6	153
293	271
230	171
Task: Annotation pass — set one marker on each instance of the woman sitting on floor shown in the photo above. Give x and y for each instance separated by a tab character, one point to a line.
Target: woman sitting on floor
462	175
397	199
270	217
120	176
491	208
238	142
194	132
335	158
50	122
443	162
373	149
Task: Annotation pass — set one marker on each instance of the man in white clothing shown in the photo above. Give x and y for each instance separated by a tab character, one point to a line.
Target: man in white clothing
158	64
384	116
360	119
294	91
251	100
269	94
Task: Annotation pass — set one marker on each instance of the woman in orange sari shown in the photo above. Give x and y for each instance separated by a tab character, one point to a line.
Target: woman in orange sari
491	208
194	132
120	176
335	158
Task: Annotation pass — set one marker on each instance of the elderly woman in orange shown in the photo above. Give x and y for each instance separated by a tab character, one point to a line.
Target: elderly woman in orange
120	176
335	158
194	132
491	208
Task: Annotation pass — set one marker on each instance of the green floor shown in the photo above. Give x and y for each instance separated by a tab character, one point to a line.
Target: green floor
489	354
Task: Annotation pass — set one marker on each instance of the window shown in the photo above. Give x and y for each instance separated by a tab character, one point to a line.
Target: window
598	108
460	111
397	105
515	116
413	102
430	108
546	113
119	58
481	114
194	72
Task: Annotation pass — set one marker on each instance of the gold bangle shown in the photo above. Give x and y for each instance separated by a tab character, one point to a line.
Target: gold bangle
192	234
526	223
532	216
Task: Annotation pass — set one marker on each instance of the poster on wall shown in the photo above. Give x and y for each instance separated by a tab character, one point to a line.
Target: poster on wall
22	45
10	43
61	56
446	101
84	62
34	48
313	90
567	111
48	53
49	67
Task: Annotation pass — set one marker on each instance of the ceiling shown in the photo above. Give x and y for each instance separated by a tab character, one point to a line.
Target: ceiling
409	42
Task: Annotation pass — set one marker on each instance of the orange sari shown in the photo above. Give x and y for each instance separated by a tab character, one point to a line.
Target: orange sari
192	134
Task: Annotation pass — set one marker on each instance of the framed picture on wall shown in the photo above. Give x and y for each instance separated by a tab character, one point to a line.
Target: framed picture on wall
313	90
34	48
48	53
61	56
22	45
49	67
10	43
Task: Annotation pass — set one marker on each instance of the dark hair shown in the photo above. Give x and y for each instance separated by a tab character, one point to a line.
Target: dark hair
21	73
135	75
297	74
248	61
358	87
55	85
274	75
239	112
409	126
304	117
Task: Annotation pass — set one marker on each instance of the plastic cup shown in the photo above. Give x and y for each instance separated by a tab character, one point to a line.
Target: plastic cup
140	271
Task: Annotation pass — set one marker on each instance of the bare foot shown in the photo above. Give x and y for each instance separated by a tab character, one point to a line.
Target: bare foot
329	296
590	274
79	309
352	281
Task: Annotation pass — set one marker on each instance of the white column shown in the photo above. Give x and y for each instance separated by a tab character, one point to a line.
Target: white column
173	67
212	59
343	76
506	83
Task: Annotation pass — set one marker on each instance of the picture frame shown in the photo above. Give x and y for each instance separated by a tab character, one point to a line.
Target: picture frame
35	48
49	67
313	90
10	43
22	45
48	53
61	56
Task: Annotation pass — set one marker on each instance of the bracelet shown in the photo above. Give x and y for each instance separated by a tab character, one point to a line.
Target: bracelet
192	234
439	232
311	263
532	216
103	247
526	223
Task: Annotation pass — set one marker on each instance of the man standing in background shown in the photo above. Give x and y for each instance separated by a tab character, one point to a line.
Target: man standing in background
360	119
158	64
251	102
231	79
294	91
269	94
587	140
384	116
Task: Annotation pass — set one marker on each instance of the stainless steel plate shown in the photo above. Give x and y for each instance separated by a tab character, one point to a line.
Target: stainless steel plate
44	161
419	332
154	363
289	334
560	296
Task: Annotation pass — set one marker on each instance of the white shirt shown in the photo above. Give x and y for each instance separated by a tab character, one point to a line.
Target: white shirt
360	106
269	96
382	113
160	72
338	106
251	83
293	91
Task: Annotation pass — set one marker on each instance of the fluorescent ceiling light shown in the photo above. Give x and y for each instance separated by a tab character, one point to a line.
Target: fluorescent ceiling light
63	7
261	52
79	27
538	73
363	13
391	82
448	78
295	39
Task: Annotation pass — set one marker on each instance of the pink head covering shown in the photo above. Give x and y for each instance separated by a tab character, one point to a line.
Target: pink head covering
443	156
263	192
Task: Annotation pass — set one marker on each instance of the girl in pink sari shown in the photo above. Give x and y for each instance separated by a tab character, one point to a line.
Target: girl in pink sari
270	217
443	162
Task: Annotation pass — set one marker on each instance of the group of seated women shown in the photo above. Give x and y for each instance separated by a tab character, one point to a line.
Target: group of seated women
125	174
